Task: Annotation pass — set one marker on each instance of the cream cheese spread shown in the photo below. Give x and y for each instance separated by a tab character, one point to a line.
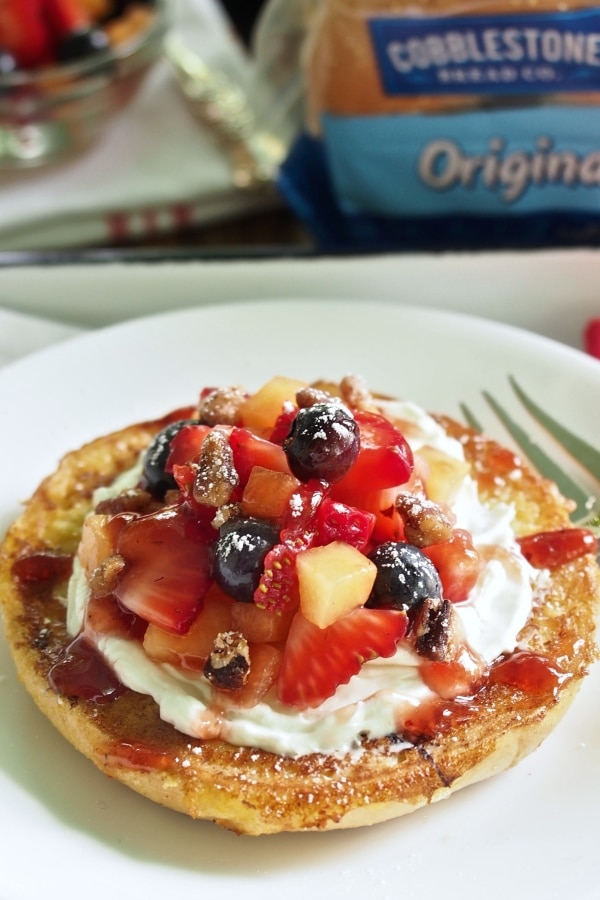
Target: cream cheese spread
373	701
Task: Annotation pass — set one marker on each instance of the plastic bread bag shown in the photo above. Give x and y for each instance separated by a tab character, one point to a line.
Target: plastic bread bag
435	126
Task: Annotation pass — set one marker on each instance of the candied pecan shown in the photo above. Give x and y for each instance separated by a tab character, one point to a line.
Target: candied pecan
133	500
434	630
310	396
216	475
222	406
226	512
425	522
103	579
228	665
355	392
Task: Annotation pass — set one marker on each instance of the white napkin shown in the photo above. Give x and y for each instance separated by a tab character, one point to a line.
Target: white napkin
154	170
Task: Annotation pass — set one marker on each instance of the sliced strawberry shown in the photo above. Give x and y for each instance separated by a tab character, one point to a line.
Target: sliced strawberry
300	522
278	586
388	525
185	450
385	460
283	423
460	677
186	446
317	660
190	650
336	521
184	476
459	564
250	450
277	589
105	615
168	559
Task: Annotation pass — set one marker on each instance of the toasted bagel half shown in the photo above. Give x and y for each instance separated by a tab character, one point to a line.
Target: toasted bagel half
253	791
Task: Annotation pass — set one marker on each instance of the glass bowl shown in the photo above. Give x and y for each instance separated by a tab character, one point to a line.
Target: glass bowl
51	113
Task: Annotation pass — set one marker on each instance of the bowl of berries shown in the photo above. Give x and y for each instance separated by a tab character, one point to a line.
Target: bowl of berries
66	68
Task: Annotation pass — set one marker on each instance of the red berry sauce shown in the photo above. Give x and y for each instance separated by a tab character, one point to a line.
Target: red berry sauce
528	672
45	566
550	549
523	671
137	756
82	674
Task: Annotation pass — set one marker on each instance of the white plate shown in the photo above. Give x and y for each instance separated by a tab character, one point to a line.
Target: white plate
550	292
66	831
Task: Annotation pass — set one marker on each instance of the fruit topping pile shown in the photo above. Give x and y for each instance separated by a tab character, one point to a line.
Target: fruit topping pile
36	33
277	541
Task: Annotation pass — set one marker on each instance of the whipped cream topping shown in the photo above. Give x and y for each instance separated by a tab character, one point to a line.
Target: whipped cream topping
382	694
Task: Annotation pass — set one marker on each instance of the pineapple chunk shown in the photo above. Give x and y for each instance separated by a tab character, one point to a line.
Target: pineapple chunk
190	650
445	474
333	580
95	545
261	626
260	411
267	493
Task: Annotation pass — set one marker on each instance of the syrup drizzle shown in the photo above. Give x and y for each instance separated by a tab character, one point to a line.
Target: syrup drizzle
529	672
41	567
522	670
137	756
82	674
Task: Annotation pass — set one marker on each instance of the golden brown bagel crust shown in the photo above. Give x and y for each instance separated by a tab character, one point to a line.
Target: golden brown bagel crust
253	791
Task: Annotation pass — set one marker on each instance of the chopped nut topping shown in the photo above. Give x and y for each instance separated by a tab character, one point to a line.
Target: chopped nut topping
425	522
222	406
310	396
355	392
226	512
103	579
434	631
135	500
215	475
228	665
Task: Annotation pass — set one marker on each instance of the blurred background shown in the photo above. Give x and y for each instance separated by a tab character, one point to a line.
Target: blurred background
148	143
298	126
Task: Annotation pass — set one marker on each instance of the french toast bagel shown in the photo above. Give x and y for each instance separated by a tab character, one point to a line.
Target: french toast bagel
452	739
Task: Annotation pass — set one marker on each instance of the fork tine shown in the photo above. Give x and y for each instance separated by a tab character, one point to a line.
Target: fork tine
543	463
584	453
470	419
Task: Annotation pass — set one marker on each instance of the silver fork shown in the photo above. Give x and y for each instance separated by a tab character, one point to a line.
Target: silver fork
587	502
